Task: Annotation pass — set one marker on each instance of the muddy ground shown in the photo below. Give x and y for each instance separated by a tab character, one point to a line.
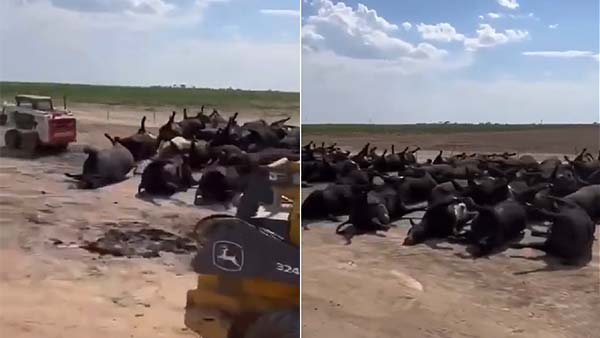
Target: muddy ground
49	286
375	287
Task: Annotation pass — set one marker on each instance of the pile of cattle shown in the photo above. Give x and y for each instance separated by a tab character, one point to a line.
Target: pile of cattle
228	154
485	201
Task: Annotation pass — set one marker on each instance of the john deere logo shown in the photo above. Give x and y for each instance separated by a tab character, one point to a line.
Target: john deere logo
228	256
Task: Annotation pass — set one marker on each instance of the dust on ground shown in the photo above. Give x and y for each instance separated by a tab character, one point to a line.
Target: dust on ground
375	287
49	286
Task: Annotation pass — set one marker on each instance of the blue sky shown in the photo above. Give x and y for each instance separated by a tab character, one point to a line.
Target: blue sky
250	44
464	60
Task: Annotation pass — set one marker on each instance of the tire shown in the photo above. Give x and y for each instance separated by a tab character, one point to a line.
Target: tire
280	324
29	141
12	139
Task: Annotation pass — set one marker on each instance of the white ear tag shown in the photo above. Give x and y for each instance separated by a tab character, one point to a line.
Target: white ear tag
378	181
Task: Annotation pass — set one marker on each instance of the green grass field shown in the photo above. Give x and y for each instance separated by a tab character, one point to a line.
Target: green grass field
154	96
346	129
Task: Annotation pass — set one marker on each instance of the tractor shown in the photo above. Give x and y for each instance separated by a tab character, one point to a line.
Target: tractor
249	266
33	123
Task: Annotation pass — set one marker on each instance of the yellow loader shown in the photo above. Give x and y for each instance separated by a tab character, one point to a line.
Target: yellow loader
249	267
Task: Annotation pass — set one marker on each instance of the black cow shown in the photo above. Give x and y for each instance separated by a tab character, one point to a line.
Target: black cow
495	226
571	234
441	220
106	166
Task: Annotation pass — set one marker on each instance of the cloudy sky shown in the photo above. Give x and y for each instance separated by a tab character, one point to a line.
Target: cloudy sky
508	61
251	44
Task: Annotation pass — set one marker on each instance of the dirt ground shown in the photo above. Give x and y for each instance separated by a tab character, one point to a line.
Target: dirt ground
375	287
49	287
560	140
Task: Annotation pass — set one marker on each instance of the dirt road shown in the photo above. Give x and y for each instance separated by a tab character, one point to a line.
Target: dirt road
375	287
49	287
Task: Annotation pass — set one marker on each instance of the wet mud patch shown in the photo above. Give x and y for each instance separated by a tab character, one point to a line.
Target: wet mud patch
146	243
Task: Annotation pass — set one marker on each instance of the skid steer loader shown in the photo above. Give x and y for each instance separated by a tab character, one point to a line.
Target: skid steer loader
249	267
33	124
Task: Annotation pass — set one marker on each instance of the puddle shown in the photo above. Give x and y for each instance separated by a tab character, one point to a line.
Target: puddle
145	243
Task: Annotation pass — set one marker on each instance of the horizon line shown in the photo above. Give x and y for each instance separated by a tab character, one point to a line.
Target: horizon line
187	86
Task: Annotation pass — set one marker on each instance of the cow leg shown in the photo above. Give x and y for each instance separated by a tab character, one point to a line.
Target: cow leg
198	199
171	188
92	182
483	246
332	218
540	233
594	177
458	239
378	225
74	176
382	215
349	233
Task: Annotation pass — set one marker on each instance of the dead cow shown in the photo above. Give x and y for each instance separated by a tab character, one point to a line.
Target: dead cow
106	166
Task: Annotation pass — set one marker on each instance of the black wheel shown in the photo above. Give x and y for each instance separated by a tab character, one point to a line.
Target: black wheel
29	141
280	324
12	139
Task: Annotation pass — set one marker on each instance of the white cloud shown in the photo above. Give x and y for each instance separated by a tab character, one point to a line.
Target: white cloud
123	48
524	16
359	33
554	26
281	12
114	6
443	32
511	4
566	54
407	26
495	15
488	37
126	15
